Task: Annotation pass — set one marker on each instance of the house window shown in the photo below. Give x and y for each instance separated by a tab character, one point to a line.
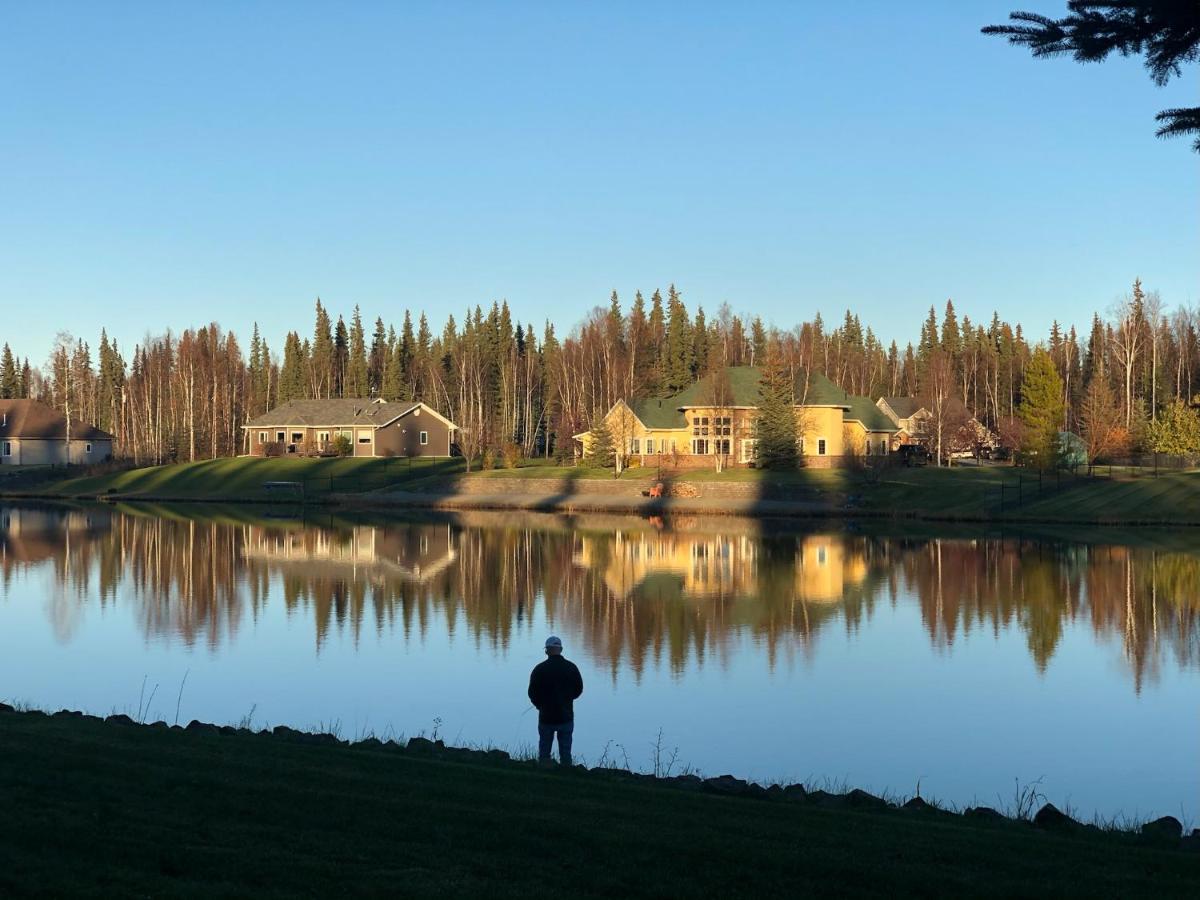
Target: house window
868	447
8	448
424	438
699	426
800	446
820	446
749	449
721	447
364	438
281	436
635	447
723	426
700	446
297	437
262	437
87	448
649	445
323	437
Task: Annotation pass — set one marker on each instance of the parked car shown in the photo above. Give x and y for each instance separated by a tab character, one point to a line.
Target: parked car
914	455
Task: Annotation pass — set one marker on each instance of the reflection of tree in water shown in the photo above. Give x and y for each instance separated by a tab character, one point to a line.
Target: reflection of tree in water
638	594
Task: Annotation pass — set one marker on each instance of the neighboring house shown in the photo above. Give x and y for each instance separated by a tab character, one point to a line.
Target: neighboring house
33	434
911	419
373	427
716	417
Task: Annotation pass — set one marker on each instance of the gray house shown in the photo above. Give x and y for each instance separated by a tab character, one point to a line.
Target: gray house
373	427
33	434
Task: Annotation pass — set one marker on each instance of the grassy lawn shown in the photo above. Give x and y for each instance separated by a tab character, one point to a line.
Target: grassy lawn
243	478
110	810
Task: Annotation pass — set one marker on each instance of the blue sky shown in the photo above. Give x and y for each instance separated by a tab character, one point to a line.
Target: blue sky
166	165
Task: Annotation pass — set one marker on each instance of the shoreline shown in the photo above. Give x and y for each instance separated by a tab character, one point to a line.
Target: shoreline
624	505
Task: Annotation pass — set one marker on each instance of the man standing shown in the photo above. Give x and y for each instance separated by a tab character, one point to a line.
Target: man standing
554	685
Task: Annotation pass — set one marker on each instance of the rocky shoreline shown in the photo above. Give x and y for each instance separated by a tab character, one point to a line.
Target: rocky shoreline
1163	832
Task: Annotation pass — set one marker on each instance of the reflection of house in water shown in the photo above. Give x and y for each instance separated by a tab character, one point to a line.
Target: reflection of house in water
412	553
34	534
720	564
826	566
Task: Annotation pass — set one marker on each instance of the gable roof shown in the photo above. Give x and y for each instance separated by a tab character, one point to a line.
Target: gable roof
32	420
336	413
668	412
871	416
903	407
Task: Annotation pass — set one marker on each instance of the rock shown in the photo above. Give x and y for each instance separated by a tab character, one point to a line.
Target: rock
227	729
860	799
687	782
775	791
984	813
1052	818
5	708
202	727
423	745
795	793
498	756
66	714
119	719
824	798
726	784
370	743
1191	842
916	804
160	724
1166	828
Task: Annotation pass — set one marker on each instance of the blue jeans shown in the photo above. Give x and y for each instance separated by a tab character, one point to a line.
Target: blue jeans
546	735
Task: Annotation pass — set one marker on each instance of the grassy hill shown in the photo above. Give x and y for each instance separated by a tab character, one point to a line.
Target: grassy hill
117	810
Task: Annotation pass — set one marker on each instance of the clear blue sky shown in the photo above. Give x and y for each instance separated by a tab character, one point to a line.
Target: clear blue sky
166	165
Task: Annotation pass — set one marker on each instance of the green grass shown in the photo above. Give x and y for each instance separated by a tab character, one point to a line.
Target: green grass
243	478
927	492
108	810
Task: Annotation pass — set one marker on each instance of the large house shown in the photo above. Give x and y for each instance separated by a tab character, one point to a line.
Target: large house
33	434
373	428
715	417
912	420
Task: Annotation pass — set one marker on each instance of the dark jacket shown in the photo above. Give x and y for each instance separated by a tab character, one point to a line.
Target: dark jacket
554	685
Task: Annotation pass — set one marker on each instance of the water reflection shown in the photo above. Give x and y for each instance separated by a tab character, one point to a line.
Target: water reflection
636	592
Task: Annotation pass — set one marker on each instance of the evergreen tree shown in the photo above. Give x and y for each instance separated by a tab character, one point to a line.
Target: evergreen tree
10	378
776	425
680	350
341	358
1176	431
1041	410
951	338
393	374
699	346
378	359
293	383
320	356
758	342
603	452
357	369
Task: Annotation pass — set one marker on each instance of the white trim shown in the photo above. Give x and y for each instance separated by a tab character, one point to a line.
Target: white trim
423	438
429	409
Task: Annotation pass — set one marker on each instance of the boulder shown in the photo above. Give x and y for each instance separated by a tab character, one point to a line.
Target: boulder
370	743
5	708
795	792
282	731
120	719
726	784
202	727
824	798
1052	818
775	792
423	745
687	782
498	756
1166	828
860	799
917	804
228	729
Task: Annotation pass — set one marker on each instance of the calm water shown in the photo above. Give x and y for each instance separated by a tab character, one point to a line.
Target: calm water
963	662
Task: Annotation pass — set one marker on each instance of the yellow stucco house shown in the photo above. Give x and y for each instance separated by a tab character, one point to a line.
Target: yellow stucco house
715	418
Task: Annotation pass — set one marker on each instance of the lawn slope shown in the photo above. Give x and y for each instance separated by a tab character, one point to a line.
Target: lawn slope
106	809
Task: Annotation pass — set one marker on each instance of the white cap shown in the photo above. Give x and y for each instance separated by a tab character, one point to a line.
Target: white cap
553	641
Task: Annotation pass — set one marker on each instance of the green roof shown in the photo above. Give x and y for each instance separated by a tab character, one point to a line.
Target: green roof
812	389
871	416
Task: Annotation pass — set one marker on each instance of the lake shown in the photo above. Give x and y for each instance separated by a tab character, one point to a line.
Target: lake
965	662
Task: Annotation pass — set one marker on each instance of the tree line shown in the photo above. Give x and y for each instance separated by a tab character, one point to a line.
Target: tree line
1130	383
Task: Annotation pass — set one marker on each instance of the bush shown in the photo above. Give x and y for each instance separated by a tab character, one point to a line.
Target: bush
341	445
510	455
488	459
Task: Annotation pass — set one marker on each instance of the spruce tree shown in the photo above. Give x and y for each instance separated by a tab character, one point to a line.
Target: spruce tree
680	350
776	427
603	453
10	378
320	356
1041	410
357	367
378	360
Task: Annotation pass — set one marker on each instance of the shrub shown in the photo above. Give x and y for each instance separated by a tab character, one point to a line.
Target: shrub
510	455
488	459
341	445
